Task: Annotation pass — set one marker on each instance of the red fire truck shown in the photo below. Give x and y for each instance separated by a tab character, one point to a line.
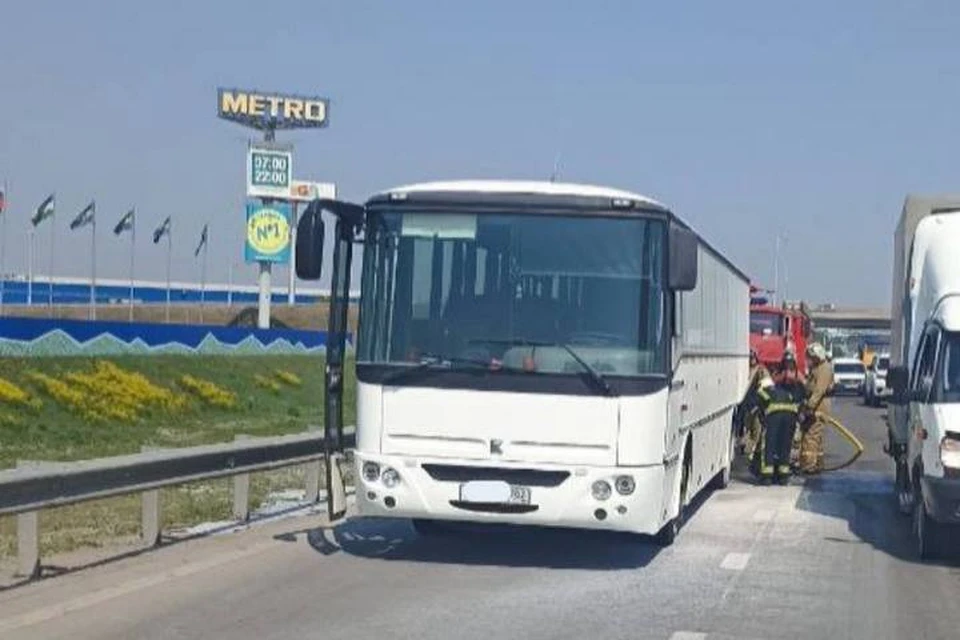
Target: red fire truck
776	329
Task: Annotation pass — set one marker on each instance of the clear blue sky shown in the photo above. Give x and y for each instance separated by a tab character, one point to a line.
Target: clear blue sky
748	118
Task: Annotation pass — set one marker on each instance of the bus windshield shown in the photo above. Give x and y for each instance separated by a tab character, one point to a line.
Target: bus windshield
766	322
496	288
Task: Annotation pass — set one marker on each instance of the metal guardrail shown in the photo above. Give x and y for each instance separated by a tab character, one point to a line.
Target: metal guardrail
34	486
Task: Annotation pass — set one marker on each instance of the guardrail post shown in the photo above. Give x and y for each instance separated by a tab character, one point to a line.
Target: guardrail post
150	512
28	536
312	472
241	491
28	545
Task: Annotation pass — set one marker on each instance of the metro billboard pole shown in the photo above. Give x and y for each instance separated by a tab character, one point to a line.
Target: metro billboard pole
265	268
270	176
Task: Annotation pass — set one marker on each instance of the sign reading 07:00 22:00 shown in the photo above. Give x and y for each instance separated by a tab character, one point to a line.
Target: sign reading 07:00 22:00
268	232
269	173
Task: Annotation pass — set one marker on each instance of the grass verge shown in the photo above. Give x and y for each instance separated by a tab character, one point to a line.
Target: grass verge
222	396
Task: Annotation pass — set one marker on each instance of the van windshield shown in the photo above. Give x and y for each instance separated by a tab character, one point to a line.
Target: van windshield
848	368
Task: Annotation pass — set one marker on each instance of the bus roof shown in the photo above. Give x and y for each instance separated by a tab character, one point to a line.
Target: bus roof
542	197
524	187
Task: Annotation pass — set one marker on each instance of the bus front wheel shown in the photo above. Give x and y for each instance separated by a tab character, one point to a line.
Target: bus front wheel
668	534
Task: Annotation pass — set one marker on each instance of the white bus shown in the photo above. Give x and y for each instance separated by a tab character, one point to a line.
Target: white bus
533	353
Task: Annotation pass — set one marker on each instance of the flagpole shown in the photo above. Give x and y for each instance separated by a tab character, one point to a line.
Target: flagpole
3	246
230	284
93	265
203	275
53	228
133	253
169	253
31	234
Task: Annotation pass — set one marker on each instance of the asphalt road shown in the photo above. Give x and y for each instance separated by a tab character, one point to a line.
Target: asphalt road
827	559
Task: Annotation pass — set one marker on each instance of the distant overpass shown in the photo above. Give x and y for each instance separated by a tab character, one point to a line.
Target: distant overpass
834	317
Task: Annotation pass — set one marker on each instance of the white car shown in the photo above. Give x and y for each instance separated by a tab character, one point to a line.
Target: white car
848	376
875	388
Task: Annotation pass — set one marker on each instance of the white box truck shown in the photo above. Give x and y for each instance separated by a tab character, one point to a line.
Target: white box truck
924	412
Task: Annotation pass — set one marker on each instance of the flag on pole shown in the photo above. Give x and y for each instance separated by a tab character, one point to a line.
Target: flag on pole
203	240
44	211
3	197
125	224
162	230
85	217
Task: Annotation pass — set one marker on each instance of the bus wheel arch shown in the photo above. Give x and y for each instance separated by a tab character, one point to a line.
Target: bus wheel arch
668	533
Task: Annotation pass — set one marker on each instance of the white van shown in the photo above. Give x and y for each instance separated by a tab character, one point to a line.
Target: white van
930	391
848	376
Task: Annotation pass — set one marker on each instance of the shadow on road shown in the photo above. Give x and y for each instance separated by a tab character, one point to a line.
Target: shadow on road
866	501
487	545
490	545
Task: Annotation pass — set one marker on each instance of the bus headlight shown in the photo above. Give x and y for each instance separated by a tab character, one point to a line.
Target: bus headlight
625	485
390	477
371	471
601	490
950	452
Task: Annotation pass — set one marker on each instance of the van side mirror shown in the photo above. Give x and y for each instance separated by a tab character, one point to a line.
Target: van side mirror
310	238
682	267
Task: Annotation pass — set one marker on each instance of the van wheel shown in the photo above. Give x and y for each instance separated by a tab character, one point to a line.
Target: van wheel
668	534
926	530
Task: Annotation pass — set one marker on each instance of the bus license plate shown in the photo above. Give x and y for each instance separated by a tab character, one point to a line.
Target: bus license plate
494	492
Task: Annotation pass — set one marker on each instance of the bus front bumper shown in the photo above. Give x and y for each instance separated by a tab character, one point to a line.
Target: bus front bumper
431	489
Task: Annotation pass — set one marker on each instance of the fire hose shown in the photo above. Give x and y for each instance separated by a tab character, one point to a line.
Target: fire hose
846	435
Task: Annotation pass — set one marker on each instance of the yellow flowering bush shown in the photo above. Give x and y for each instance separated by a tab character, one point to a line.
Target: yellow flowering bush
108	392
12	394
209	392
266	383
288	377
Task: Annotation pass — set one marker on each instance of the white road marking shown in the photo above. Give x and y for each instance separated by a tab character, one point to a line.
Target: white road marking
45	614
735	561
688	635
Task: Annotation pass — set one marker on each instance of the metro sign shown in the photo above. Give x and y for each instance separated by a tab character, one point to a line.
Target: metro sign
267	110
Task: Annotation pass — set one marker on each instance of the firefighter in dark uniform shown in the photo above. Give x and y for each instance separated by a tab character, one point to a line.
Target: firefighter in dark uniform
748	420
778	409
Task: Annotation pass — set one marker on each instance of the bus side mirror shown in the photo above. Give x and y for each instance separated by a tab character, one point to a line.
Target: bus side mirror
310	237
897	379
682	268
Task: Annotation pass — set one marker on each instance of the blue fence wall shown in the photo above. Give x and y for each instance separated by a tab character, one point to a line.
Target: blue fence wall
41	337
16	292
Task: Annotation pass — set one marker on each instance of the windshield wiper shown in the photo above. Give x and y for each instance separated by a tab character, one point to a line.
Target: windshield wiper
598	379
433	361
